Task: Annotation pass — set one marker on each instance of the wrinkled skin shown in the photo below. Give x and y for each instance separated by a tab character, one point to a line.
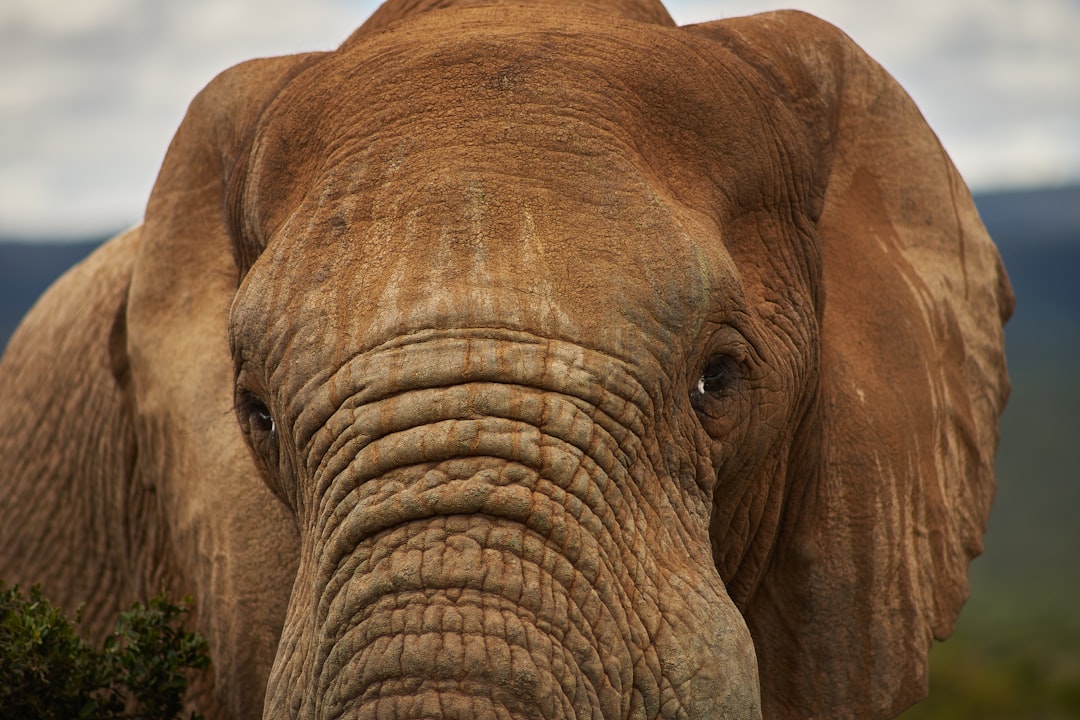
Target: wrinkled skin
529	361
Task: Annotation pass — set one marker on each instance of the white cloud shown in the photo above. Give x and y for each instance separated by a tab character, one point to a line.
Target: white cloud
998	80
91	92
62	19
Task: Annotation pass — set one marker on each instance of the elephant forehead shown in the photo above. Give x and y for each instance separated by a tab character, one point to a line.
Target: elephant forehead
469	249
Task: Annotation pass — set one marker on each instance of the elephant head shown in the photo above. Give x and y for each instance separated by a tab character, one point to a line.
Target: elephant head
549	360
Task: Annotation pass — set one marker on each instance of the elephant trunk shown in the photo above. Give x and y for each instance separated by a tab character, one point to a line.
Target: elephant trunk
472	615
486	548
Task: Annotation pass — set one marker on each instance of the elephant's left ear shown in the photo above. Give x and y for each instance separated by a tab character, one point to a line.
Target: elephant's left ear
892	500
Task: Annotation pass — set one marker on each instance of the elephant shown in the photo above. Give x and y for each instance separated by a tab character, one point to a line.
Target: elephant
541	360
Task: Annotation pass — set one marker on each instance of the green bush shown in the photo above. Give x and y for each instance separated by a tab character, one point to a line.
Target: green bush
48	671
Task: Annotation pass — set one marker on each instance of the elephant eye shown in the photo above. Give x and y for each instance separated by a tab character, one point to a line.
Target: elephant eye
257	417
262	421
717	377
260	430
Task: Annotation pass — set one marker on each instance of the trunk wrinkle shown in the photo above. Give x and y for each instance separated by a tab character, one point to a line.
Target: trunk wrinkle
600	382
491	528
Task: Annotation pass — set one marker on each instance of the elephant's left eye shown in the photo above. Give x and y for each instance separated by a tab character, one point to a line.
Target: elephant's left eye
262	421
717	378
256	415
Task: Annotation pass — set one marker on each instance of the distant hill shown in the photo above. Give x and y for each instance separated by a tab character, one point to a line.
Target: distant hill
1038	234
27	269
1032	217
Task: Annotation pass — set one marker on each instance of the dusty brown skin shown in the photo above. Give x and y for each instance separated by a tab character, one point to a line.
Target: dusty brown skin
582	366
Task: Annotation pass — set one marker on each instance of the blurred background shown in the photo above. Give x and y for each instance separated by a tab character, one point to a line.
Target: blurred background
92	91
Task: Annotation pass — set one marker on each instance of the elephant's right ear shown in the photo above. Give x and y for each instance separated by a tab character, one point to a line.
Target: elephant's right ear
893	493
187	216
222	519
188	267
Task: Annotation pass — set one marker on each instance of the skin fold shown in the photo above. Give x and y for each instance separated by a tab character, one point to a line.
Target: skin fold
529	360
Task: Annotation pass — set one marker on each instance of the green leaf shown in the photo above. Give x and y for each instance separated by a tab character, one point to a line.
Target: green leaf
141	670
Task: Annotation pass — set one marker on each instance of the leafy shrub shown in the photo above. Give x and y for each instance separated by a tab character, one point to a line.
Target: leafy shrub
48	671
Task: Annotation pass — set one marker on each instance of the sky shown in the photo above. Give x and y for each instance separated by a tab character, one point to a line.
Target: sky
91	91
